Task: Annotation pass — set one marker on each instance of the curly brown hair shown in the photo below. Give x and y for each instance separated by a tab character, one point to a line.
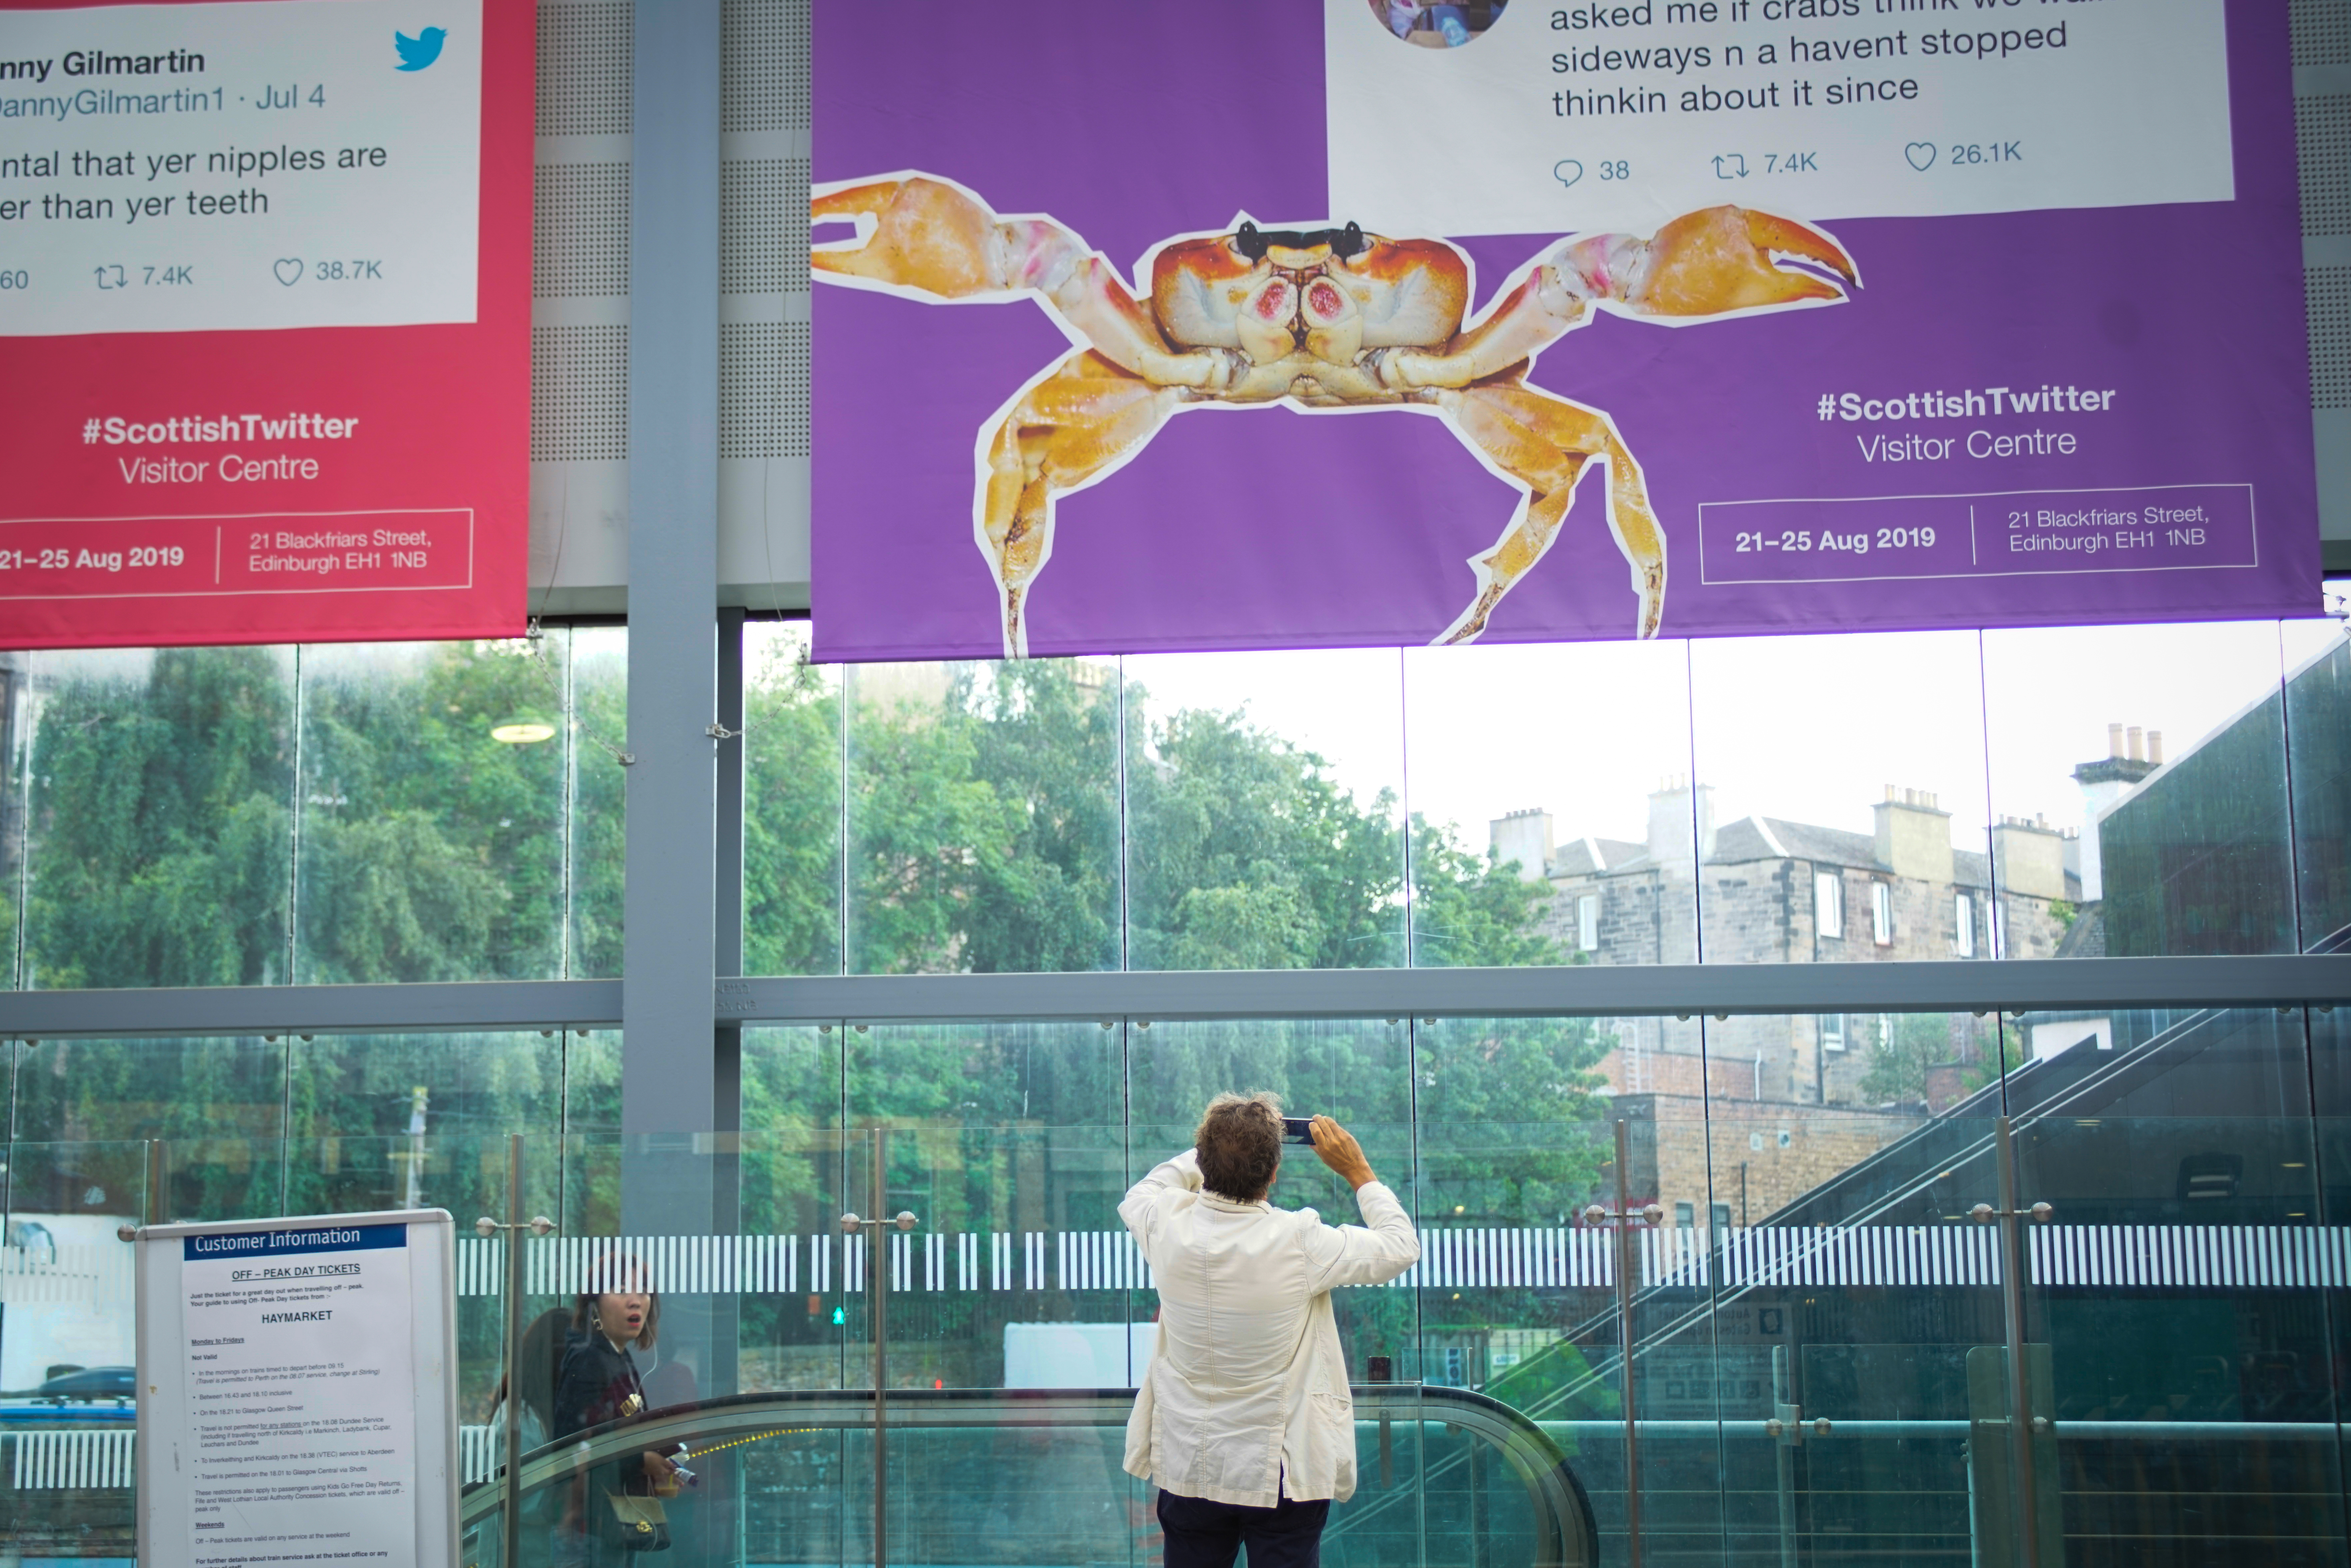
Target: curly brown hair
1240	1145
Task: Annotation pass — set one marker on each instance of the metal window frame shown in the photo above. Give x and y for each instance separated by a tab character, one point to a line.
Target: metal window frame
1980	986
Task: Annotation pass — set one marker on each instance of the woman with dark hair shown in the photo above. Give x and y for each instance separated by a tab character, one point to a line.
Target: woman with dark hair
540	1356
615	1511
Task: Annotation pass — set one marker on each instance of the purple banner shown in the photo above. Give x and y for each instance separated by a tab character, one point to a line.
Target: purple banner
1881	538
1910	343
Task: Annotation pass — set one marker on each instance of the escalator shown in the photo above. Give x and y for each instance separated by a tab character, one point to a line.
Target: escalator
1015	1476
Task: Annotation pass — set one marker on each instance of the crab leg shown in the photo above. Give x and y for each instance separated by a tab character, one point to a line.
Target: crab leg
1544	442
935	240
1722	261
1086	416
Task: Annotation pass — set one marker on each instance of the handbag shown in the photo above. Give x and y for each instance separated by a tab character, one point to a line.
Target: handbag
636	1523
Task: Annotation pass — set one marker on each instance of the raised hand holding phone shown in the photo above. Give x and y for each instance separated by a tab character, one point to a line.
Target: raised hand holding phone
1336	1147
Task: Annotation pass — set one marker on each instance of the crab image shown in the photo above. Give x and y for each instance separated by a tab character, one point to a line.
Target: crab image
1334	319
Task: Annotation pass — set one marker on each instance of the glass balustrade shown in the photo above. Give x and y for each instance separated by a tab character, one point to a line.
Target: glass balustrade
1820	1318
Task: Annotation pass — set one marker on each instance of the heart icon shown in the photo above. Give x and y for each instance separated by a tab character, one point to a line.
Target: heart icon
1921	156
289	270
1567	172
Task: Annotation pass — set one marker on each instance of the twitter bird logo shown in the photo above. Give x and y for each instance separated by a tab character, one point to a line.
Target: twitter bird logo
417	53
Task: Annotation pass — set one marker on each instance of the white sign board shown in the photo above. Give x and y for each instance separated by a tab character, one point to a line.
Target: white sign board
1618	114
297	1391
261	164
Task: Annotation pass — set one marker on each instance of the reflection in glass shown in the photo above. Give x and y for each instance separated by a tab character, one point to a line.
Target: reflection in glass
599	815
2318	731
220	1103
1829	767
1263	813
2139	774
432	812
1005	1141
983	817
791	804
2170	1328
160	818
791	1167
1555	758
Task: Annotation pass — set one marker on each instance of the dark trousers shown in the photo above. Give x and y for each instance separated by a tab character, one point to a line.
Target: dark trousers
1202	1534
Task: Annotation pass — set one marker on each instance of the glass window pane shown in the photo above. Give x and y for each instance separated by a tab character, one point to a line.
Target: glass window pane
791	804
432	824
792	1172
1851	758
220	1104
2162	749
598	737
1005	1141
983	817
1356	1070
381	1121
2159	1342
1505	770
161	835
2318	732
1265	811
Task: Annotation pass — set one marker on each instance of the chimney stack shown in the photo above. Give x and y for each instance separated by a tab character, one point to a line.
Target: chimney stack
1671	806
1914	835
2131	755
1524	837
2028	858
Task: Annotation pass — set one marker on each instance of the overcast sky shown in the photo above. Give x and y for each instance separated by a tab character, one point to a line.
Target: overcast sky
1808	728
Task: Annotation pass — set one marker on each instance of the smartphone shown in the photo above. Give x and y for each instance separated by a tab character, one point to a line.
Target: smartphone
1298	1130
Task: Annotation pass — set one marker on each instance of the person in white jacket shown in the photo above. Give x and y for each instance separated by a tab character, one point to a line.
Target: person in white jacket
1244	1418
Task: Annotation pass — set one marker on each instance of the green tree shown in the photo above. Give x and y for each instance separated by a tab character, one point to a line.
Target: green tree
161	822
1245	853
1905	1046
791	815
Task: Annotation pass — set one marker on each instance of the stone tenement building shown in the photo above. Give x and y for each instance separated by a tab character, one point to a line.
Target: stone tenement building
1763	890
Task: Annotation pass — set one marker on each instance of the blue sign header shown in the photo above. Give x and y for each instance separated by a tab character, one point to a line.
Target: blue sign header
268	1243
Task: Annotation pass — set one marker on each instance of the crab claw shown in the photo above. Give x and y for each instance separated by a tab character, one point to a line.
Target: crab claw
1728	259
927	234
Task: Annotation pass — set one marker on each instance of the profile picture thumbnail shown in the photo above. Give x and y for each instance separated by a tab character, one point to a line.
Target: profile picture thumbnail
1436	27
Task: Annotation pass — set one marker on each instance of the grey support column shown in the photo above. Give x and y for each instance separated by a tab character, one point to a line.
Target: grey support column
667	1071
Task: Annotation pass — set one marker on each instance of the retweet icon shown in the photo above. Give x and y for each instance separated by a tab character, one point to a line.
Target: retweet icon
417	53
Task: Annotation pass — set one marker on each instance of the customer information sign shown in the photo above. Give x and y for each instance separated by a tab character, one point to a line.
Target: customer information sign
1718	316
264	303
297	1392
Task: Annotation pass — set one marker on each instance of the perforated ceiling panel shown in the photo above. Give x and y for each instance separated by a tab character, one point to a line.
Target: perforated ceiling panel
764	84
2322	128
763	196
578	394
2321	32
581	230
2329	290
585	54
763	389
580	253
763	240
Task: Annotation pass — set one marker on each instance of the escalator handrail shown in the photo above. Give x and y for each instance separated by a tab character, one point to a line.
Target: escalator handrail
1567	1534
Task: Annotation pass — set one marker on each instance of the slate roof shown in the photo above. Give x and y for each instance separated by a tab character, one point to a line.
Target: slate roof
1574	858
1770	839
